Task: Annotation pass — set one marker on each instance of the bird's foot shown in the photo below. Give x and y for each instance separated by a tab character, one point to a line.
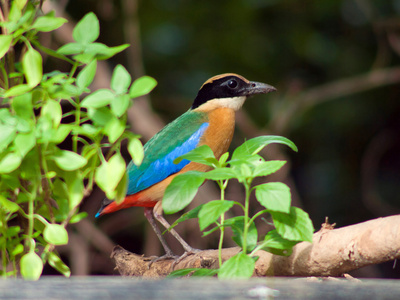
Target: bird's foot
187	252
166	256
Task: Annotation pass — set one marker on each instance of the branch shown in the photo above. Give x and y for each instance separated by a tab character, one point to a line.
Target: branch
333	252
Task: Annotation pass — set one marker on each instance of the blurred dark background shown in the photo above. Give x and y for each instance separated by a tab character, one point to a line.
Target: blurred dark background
336	65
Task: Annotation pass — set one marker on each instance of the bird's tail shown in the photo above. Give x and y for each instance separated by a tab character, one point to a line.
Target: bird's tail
109	206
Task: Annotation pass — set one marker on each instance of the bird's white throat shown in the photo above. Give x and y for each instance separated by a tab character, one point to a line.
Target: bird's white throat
234	103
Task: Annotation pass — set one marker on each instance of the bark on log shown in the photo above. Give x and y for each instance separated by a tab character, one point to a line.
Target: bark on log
332	253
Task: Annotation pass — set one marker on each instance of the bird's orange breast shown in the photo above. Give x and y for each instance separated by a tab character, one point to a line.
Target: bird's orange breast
220	130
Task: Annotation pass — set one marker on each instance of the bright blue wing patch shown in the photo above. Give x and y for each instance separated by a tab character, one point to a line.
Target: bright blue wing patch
164	166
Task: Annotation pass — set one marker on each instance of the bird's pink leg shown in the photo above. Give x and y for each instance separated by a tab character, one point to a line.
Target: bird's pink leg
157	211
148	212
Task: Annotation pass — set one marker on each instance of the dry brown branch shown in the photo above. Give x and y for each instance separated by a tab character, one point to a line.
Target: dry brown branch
332	90
333	252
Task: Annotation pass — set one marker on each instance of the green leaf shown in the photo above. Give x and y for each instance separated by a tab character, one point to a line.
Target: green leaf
237	226
17	250
100	116
108	52
48	23
266	168
86	75
8	205
5	43
32	67
220	174
114	129
295	226
75	192
142	86
211	211
58	264
31	266
21	4
10	162
191	214
120	104
194	272
274	196
87	30
110	173
181	191
136	151
255	145
78	217
98	99
55	234
61	133
120	80
24	142
276	244
52	110
238	266
71	48
121	189
69	161
203	155
7	134
17	90
22	105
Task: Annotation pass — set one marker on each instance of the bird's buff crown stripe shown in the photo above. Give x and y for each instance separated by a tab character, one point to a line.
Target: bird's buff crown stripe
224	75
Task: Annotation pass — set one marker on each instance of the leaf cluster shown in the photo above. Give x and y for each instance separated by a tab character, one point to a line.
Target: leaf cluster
40	182
292	224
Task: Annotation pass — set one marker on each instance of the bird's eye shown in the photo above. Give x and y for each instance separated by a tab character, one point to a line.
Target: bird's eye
232	84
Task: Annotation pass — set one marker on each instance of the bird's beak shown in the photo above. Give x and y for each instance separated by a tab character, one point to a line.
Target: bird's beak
254	88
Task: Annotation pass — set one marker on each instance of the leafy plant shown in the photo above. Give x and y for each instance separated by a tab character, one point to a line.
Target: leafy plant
42	185
292	225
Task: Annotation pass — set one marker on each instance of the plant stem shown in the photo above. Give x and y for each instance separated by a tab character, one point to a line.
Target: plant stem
222	186
77	123
246	216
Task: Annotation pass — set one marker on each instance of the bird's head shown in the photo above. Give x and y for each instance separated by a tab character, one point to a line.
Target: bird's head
228	90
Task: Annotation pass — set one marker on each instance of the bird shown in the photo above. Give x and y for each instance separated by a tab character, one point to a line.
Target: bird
209	121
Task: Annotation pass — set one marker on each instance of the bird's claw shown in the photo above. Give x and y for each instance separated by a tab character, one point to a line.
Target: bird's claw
166	256
184	255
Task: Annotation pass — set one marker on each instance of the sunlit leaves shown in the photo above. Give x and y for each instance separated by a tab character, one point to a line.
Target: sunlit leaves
142	86
295	226
211	211
238	266
120	80
58	264
274	196
31	266
34	171
86	76
110	173
292	224
55	234
48	23
181	191
32	66
69	161
5	43
87	30
135	149
98	99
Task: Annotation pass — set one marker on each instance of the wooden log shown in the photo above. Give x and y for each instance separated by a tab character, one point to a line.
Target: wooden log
332	253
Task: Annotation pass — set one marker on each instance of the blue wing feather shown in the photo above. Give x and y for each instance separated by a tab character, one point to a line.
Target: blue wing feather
158	164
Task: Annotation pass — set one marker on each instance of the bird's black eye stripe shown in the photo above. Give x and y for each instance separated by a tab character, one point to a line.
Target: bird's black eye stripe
232	84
